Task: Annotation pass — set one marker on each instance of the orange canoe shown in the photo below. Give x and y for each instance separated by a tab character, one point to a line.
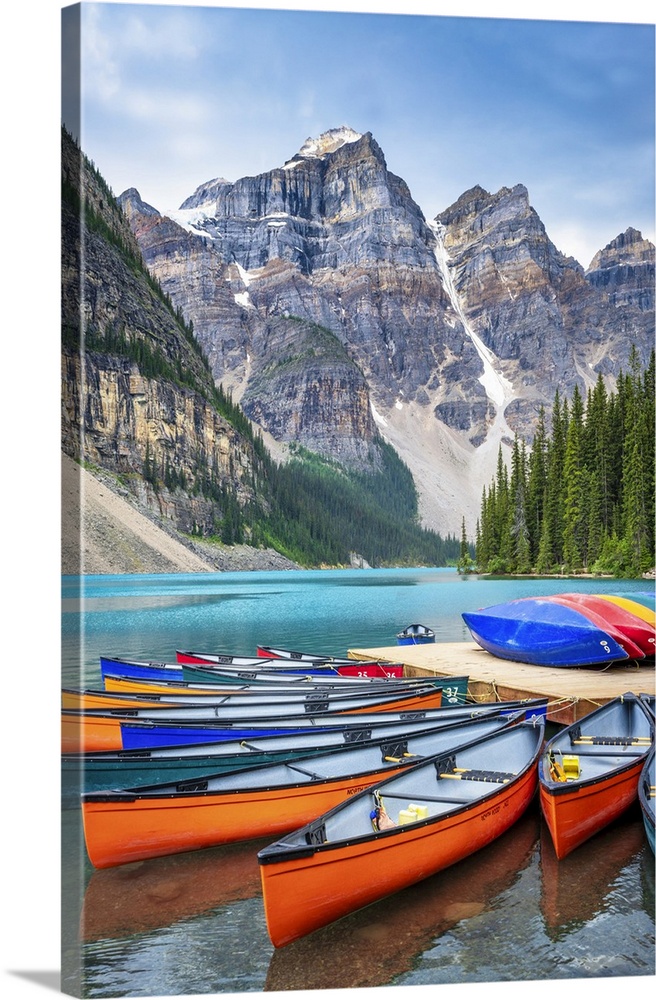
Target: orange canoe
262	801
589	772
87	699
88	730
442	810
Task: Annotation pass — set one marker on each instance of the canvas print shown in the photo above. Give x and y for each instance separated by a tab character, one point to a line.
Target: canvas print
357	465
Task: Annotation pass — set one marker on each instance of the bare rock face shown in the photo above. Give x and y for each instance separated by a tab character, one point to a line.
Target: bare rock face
304	388
324	299
624	272
137	397
333	238
511	281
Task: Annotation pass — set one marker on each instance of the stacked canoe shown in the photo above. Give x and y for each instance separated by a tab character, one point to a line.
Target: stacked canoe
371	782
569	629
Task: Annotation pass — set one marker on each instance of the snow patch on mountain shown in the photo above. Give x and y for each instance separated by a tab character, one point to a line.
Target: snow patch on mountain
328	142
190	219
497	387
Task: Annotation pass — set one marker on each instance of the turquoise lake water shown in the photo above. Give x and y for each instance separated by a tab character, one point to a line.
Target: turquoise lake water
194	924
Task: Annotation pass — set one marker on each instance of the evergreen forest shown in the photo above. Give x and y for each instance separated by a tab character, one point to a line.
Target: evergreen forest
581	500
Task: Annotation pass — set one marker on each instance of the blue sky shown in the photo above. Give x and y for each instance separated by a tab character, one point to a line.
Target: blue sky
174	95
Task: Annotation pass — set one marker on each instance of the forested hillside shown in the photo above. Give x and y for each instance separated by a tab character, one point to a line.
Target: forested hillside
140	403
582	499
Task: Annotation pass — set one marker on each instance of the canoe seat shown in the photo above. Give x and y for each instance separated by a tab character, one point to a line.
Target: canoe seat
316	834
612	741
446	768
356	735
586	739
467	774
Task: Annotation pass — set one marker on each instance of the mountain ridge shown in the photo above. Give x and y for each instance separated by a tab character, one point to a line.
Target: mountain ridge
334	238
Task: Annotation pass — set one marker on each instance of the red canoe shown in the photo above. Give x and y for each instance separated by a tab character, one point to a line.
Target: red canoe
630	631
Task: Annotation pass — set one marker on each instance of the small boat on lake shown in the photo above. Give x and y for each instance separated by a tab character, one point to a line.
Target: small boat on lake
315	675
295	654
161	670
90	698
127	825
399	831
639	604
415	635
104	769
589	772
132	683
454	688
542	632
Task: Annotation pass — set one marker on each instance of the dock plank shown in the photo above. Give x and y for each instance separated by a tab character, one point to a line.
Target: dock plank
571	692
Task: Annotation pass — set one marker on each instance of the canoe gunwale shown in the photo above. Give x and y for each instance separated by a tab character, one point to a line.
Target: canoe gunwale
275	853
173	790
576	785
281	851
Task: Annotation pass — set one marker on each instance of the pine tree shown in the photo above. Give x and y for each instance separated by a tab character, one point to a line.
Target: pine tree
536	487
521	548
636	480
465	564
574	518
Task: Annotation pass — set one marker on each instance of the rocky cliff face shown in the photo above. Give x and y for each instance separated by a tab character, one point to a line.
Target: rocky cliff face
329	304
331	237
142	427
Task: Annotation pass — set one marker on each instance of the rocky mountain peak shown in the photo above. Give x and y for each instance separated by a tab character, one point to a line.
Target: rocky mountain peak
205	194
328	142
628	247
624	272
487	209
132	204
321	297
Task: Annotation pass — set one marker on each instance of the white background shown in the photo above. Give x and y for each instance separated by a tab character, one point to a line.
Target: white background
30	485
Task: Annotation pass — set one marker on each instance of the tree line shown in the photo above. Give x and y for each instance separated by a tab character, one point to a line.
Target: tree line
582	498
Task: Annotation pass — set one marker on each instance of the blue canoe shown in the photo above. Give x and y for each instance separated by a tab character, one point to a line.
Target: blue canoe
541	632
415	635
156	670
147	734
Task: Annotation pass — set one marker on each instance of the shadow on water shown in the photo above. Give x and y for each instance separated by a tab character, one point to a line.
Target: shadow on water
144	896
576	889
373	946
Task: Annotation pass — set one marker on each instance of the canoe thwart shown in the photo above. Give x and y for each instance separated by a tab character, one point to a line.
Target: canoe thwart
301	770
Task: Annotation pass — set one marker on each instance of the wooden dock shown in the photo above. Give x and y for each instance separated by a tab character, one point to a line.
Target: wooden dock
571	693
